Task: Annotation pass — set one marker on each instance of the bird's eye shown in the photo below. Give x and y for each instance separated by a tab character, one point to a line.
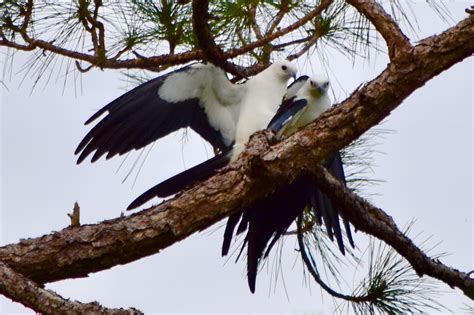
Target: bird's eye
284	67
326	84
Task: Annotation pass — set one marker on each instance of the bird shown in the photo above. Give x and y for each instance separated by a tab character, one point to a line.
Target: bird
199	96
267	220
206	169
257	106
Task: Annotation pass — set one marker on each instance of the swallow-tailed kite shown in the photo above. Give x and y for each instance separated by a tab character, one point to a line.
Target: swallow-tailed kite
198	96
268	219
257	106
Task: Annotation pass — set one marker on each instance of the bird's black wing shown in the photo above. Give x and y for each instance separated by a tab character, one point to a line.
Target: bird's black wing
141	116
287	110
295	86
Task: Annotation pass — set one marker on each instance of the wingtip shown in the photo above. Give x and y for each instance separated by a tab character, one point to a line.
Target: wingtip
143	198
95	116
136	203
252	284
80	159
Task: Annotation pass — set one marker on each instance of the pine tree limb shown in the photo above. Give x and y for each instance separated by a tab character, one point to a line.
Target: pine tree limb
20	289
376	222
398	44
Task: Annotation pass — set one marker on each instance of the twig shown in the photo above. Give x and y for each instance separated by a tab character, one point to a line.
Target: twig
75	216
268	38
284	8
311	41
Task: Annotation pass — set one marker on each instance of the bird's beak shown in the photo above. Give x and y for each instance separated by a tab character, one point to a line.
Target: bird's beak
320	89
293	75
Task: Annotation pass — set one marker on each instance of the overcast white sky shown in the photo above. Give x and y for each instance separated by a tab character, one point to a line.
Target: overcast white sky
426	165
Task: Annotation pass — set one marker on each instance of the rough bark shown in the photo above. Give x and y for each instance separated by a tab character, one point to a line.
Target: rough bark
76	252
376	222
20	289
398	44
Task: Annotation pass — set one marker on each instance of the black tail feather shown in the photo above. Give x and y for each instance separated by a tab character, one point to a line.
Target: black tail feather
267	220
229	232
337	170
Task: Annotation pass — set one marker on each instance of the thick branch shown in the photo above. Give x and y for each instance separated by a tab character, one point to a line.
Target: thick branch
20	289
376	222
75	252
398	44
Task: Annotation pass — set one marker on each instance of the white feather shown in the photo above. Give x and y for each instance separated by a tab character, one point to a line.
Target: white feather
315	92
264	94
219	98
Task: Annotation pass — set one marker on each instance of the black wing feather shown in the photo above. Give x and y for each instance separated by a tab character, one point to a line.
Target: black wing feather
140	117
295	86
285	113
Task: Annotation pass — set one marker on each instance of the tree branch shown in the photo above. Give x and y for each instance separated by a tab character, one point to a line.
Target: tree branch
76	252
376	222
205	39
284	8
310	42
20	289
399	46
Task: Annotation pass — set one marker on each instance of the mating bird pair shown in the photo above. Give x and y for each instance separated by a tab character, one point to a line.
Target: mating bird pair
201	97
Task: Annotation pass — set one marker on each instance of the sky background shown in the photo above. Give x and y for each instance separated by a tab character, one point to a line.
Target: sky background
425	163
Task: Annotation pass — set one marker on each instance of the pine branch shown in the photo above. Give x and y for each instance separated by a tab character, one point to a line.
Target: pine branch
20	289
75	252
399	46
374	221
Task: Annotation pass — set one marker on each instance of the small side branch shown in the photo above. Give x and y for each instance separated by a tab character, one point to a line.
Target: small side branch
398	44
20	289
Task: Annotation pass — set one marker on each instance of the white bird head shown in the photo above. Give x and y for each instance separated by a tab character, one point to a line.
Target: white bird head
283	69
318	85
